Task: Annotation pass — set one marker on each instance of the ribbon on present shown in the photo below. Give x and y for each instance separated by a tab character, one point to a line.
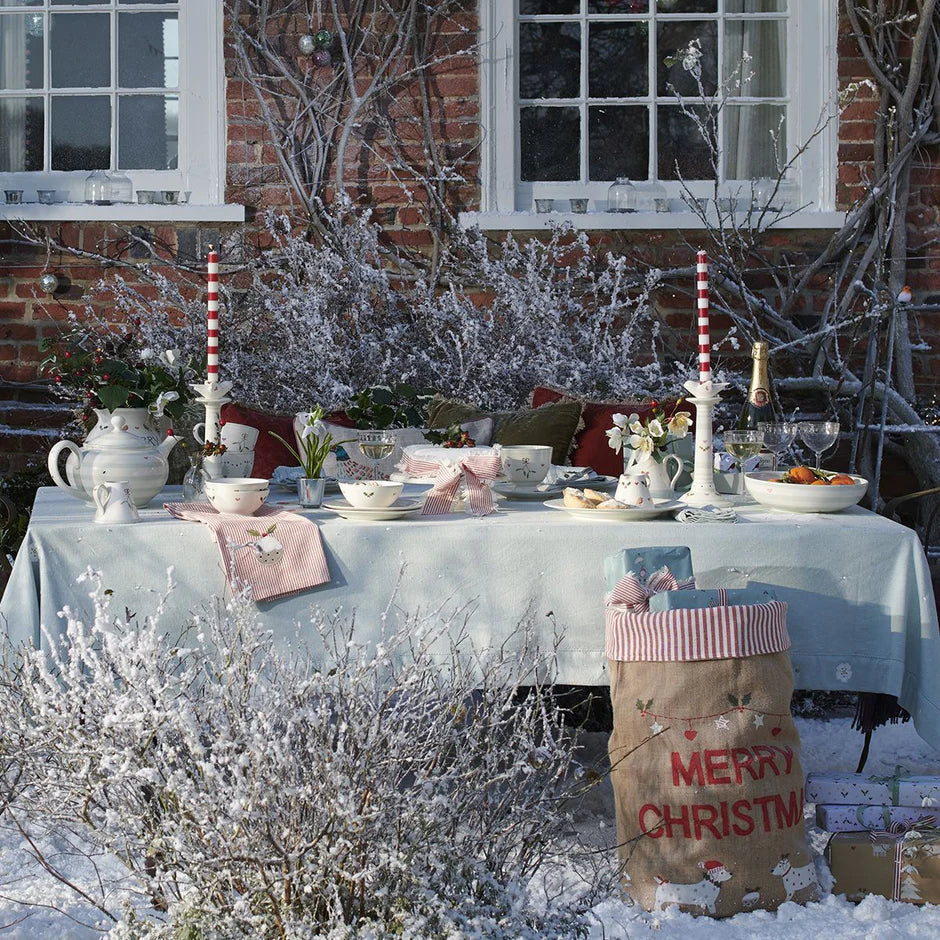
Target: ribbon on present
895	783
898	833
469	471
631	593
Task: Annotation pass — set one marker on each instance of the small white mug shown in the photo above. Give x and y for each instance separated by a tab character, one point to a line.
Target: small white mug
634	490
113	503
237	438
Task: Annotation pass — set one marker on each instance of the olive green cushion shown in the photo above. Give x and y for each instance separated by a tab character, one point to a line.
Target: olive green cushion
554	424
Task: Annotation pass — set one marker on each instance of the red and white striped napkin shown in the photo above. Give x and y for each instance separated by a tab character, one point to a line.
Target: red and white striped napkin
276	553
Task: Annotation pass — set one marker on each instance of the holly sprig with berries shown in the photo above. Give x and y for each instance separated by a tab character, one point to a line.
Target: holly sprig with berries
454	436
110	371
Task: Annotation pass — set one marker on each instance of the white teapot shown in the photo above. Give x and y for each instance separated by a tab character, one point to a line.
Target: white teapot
115	455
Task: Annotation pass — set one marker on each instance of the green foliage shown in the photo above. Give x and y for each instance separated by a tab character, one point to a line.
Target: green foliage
395	406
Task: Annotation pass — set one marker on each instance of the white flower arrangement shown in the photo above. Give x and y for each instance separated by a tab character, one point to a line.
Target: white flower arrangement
654	436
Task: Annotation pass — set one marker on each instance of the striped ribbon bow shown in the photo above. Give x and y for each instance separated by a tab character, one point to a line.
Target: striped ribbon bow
470	471
899	833
636	596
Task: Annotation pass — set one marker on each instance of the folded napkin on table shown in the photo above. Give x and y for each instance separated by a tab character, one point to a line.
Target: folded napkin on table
275	552
559	474
707	514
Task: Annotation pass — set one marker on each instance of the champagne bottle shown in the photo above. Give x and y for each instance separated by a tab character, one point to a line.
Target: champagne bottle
758	406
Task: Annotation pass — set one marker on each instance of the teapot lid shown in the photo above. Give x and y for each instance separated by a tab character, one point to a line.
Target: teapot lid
119	438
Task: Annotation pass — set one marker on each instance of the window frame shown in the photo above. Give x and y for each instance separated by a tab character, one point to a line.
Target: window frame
504	197
201	146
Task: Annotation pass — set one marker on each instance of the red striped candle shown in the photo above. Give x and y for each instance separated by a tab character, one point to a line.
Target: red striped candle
704	342
212	349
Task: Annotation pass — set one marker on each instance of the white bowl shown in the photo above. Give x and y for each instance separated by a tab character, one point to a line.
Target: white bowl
371	494
241	495
765	487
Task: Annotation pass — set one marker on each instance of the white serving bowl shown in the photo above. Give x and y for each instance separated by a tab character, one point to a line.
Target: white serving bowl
241	495
765	487
370	494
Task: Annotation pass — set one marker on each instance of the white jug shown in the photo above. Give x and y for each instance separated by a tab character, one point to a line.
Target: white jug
113	503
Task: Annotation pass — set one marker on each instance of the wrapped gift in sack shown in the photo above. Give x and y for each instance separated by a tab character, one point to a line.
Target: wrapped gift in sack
835	818
899	866
900	789
704	754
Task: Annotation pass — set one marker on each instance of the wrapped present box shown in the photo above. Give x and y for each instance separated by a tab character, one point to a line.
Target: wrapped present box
835	818
900	789
753	594
901	868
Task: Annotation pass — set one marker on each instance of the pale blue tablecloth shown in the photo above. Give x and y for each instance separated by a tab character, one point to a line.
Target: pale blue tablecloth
861	615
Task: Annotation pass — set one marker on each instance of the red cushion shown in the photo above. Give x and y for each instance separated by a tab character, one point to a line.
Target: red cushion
591	447
269	451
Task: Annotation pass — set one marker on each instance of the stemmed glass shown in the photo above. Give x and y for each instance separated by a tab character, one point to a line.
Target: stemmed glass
778	436
376	446
819	436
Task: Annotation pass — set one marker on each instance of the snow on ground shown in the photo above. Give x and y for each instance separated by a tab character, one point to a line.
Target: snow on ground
827	745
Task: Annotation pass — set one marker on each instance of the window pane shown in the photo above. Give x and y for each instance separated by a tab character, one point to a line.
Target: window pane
617	60
21	51
535	7
755	140
80	47
21	131
551	143
765	41
81	132
688	6
549	60
685	50
755	6
148	50
20	3
618	6
148	2
148	132
680	143
74	3
619	142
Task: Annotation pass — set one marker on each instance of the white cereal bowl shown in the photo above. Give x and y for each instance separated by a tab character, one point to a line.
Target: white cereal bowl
241	495
766	488
371	494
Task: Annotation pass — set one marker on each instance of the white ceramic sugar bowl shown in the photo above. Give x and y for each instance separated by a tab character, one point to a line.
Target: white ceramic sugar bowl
115	455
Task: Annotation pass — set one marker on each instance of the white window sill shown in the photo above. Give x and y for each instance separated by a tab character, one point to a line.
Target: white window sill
605	221
121	212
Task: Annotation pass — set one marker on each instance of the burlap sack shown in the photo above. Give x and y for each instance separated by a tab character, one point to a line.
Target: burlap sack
705	759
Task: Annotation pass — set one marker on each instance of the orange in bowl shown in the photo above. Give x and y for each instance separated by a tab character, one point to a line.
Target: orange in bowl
766	488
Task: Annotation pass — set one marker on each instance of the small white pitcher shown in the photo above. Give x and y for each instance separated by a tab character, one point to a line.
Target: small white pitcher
661	485
113	503
633	490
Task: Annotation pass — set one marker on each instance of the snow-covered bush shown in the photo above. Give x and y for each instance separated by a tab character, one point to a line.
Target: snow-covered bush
315	320
410	789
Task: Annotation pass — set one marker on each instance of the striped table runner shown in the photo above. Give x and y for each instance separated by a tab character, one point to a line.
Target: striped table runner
275	553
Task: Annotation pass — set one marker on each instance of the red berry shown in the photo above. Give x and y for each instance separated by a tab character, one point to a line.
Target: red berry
67	354
106	377
169	432
58	380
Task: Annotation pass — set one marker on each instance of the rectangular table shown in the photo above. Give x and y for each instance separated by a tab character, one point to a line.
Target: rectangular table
861	606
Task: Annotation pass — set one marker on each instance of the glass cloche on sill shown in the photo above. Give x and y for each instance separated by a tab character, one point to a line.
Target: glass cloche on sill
621	196
98	188
121	187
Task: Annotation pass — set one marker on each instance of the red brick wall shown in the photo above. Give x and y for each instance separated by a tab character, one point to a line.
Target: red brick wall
254	179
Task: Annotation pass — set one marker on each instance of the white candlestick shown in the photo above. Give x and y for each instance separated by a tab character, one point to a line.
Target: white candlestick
704	395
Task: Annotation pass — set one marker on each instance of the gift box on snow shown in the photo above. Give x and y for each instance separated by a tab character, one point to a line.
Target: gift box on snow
903	867
834	818
900	789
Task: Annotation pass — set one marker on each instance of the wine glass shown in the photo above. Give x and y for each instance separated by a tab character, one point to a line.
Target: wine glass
376	445
778	436
743	444
819	436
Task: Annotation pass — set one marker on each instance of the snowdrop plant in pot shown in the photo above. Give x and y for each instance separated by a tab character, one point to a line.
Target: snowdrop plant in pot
316	443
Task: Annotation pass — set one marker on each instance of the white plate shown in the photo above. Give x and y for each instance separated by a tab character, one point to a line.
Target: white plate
400	509
630	514
763	485
542	491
